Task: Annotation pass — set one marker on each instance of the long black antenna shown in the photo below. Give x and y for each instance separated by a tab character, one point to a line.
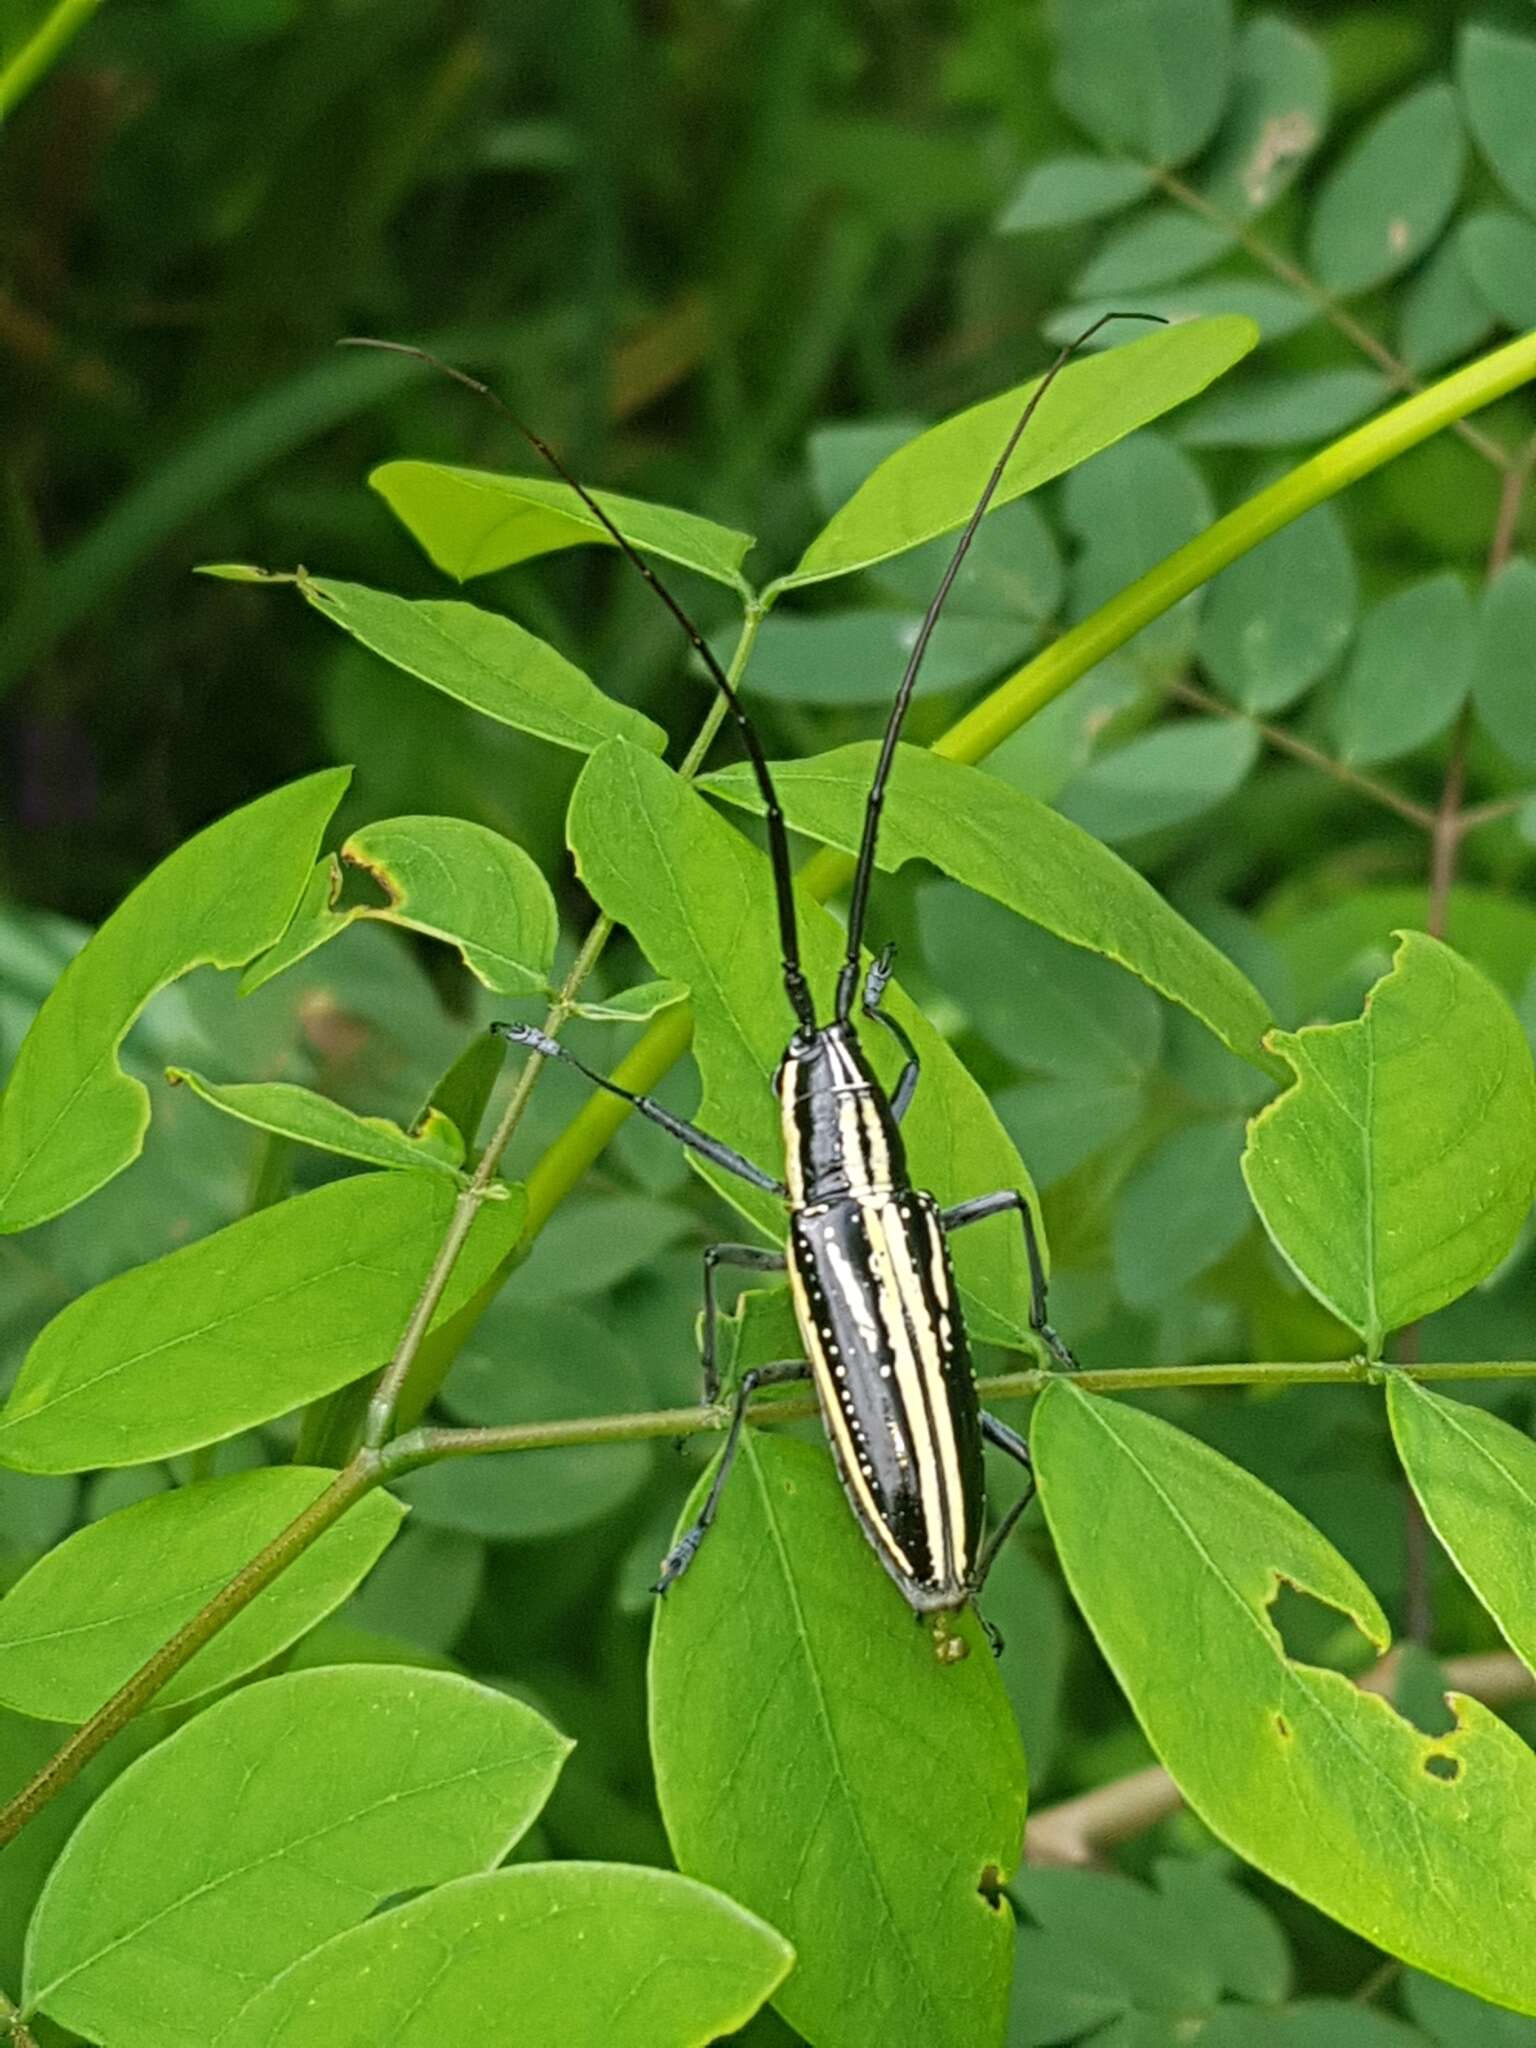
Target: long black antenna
863	874
795	985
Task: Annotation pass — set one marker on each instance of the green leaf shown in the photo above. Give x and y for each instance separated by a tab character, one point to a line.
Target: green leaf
1444	316
595	1955
1394	191
1503	674
1456	2020
1308	2023
1128	508
311	1119
1150	77
1159	246
1180	1212
1397	1171
993	838
71	1118
1277	117
930	486
1497	76
471	522
1409	673
445	877
635	1005
1497	251
82	1621
1475	1477
1175	1556
1067	190
1285	412
698	899
1263	648
485	661
536	1361
1161	778
277	1818
796	1715
277	1309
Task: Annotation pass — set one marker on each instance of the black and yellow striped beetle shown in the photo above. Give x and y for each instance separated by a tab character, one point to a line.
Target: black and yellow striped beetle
867	1253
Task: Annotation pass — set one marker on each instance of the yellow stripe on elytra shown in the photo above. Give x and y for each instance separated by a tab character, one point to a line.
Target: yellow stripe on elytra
910	1372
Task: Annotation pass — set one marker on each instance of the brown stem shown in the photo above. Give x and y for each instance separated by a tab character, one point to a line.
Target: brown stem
1333	310
349	1486
1302	750
1076	1832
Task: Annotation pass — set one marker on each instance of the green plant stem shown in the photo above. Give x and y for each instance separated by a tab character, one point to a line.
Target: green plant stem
14	2027
431	1446
1056	668
360	1477
37	56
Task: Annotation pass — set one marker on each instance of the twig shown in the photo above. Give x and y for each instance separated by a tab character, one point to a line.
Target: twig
1302	750
1333	310
1075	1833
15	2028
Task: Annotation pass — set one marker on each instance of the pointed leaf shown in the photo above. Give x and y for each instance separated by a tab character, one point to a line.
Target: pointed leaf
1497	75
471	522
1263	648
311	1119
634	1005
1150	77
931	485
592	1955
1397	1171
1475	1477
82	1621
280	1816
1394	191
1278	115
992	837
796	1714
71	1118
1497	251
1175	1556
1067	190
277	1309
1409	673
485	661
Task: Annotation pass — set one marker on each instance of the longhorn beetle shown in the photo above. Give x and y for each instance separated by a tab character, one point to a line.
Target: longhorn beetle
867	1254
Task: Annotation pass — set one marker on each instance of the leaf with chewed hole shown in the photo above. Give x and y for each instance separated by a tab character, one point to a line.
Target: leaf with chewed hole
472	522
592	1955
71	1118
447	878
1398	1169
88	1614
797	1716
274	1820
1175	1557
1475	1477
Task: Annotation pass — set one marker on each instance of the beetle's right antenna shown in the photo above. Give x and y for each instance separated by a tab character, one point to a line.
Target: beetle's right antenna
795	986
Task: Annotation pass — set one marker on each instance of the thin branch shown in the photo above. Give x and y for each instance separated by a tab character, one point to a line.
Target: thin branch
1076	1833
1302	750
1333	310
349	1486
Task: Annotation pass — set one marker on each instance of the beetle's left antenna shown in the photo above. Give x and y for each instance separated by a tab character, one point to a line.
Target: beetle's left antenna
795	985
863	874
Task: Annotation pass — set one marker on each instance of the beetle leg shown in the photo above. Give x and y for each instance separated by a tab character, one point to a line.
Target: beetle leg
686	1133
994	1205
1009	1441
683	1552
755	1259
874	991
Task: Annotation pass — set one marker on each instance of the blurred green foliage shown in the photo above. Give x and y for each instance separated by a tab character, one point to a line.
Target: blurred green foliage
727	259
